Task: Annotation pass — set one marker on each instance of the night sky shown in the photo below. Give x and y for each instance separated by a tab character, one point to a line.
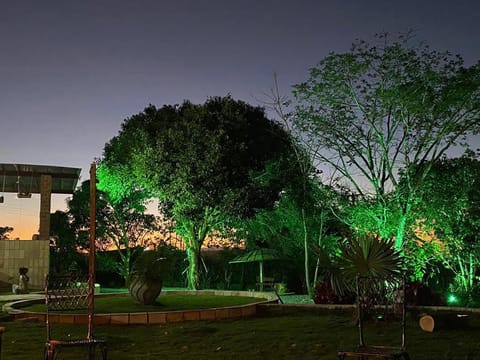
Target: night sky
72	71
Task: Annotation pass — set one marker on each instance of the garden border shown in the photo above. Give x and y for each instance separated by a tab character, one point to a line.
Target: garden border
147	318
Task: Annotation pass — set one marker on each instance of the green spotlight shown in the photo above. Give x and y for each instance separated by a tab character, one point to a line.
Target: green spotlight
452	299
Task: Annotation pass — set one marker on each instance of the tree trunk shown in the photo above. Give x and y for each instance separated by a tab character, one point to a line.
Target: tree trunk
402	225
319	243
193	277
193	243
400	233
306	253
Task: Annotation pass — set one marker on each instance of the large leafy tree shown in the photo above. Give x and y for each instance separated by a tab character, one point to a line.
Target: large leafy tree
448	213
378	109
207	164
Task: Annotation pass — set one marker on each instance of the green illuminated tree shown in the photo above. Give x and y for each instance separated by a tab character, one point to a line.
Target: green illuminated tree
207	165
449	204
381	108
4	232
120	218
367	215
295	225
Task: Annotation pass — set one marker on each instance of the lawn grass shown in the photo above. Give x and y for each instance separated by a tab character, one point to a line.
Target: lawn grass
295	336
125	303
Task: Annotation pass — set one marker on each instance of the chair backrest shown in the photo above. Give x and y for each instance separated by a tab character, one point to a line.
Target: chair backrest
65	293
381	300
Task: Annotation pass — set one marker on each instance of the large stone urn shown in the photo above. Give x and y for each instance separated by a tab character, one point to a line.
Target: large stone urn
146	279
144	292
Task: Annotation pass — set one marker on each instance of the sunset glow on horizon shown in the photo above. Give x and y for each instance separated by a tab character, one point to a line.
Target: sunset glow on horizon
73	71
23	215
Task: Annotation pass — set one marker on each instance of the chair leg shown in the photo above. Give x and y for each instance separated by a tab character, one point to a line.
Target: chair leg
103	348
48	352
91	352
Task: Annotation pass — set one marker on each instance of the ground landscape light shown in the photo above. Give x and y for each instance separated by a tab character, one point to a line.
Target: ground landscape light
452	299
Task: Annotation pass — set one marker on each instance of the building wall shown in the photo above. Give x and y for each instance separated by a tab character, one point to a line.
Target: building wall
32	254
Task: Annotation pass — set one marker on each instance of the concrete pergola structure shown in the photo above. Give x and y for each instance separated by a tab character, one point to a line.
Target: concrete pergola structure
25	179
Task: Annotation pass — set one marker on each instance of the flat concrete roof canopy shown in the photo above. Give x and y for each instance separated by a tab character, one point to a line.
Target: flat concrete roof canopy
45	180
24	179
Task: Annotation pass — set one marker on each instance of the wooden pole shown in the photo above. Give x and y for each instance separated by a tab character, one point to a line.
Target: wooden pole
91	251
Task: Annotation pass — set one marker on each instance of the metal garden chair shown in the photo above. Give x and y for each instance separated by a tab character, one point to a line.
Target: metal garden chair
65	293
379	300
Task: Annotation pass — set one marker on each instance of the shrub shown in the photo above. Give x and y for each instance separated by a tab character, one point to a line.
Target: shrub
420	294
324	294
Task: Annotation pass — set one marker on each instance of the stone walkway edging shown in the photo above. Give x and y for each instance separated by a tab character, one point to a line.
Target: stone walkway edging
150	318
289	307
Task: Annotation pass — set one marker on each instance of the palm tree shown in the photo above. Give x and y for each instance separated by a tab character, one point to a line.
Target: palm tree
363	255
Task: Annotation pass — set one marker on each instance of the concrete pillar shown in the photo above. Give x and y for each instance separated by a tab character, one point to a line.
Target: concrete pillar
45	199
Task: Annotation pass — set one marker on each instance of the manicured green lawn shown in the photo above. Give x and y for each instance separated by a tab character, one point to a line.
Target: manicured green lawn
124	303
296	336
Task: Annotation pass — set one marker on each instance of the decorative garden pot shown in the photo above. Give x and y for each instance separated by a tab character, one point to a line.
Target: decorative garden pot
144	292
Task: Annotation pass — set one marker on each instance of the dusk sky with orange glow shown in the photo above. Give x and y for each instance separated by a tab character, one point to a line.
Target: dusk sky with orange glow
72	71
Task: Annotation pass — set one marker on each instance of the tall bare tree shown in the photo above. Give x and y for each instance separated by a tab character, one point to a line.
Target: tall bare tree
312	198
376	111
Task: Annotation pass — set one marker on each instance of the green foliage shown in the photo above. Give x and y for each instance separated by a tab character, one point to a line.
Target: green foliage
184	152
116	183
370	256
294	224
106	262
380	108
448	205
423	261
362	255
207	164
120	222
369	216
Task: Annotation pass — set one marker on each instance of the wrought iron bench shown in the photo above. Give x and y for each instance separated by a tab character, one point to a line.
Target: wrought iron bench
65	293
379	299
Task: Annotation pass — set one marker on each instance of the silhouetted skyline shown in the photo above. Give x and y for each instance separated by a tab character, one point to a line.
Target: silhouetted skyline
72	71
